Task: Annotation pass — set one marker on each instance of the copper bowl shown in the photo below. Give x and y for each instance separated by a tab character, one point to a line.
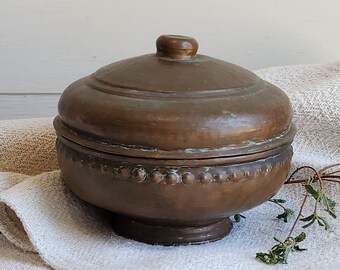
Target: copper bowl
174	143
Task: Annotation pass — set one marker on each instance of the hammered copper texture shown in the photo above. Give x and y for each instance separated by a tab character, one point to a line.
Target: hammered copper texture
174	143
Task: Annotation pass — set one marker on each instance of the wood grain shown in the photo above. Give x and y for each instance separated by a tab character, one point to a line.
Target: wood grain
45	45
27	106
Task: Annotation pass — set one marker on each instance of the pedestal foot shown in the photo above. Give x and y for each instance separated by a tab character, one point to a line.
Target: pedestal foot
170	235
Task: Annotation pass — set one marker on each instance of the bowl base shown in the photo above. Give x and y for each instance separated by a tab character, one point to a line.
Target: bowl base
170	235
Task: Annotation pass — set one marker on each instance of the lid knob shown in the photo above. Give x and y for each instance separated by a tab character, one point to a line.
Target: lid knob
177	47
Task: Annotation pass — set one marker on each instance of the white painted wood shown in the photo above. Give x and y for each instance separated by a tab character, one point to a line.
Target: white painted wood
27	106
46	44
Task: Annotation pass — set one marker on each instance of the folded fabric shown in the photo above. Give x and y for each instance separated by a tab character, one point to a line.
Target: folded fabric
44	225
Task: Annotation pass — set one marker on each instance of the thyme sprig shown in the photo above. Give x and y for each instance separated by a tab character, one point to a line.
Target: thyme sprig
287	212
279	253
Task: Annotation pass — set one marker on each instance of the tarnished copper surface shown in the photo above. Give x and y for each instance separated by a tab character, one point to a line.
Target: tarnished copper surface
174	142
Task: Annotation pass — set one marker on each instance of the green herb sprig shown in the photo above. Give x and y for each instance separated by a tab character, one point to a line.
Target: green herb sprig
287	212
279	253
238	217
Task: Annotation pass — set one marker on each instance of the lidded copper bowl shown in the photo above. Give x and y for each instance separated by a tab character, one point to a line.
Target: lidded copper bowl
173	143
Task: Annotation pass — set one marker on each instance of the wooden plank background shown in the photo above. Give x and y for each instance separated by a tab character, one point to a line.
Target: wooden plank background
28	105
46	45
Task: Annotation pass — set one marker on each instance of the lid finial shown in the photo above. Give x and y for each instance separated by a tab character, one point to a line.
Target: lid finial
177	47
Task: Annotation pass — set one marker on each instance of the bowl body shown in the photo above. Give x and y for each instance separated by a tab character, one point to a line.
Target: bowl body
172	202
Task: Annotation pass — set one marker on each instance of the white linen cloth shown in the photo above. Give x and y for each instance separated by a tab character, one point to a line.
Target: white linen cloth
44	225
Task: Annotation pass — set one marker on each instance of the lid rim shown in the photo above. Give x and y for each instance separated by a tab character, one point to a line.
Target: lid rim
214	161
79	138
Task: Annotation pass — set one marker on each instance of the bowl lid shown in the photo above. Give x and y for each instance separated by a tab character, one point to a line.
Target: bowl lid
175	104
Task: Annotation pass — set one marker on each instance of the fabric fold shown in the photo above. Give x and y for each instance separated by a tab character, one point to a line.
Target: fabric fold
70	234
10	225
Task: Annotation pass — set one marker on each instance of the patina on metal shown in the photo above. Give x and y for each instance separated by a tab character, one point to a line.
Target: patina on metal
174	142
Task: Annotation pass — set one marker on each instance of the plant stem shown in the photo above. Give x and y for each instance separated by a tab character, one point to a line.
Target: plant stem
332	180
319	178
317	174
306	195
328	167
332	173
298	216
300	181
331	176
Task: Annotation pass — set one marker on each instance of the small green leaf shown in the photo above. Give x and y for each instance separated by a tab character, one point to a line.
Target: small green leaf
285	256
300	237
308	224
287	213
330	204
267	258
311	191
323	222
319	222
331	213
308	218
283	215
297	248
278	201
238	217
